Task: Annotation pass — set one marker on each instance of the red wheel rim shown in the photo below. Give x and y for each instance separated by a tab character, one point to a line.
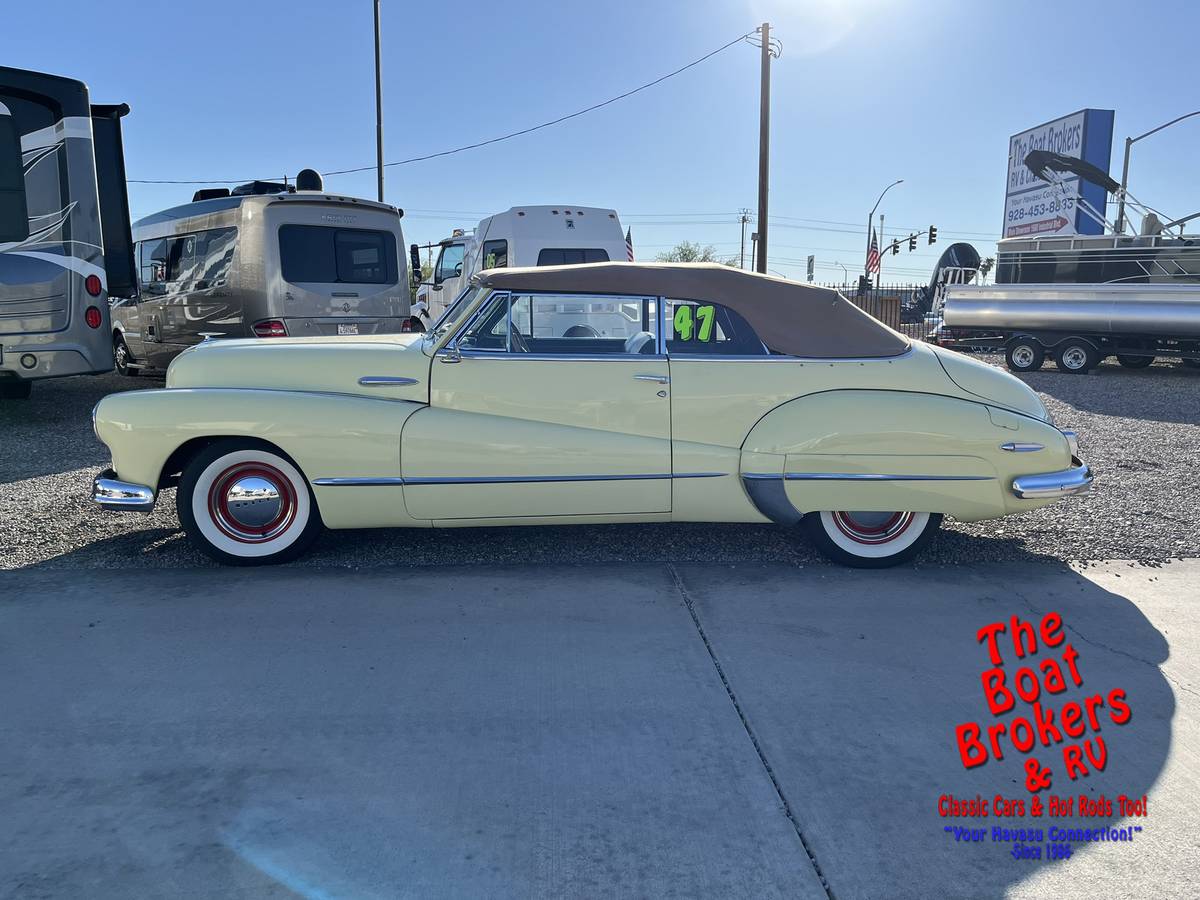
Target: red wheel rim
874	533
256	482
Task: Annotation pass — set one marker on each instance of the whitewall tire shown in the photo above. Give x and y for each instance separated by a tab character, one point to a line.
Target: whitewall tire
871	540
244	503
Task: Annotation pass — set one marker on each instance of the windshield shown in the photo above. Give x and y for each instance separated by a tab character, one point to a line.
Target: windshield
453	313
450	262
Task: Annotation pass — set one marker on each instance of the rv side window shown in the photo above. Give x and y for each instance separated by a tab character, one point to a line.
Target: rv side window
571	256
495	254
181	258
14	215
450	262
214	254
318	254
152	264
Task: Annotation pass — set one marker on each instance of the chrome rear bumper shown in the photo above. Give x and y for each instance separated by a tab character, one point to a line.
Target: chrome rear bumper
121	495
1051	485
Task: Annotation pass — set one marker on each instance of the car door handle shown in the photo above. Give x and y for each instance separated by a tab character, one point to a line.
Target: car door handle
657	379
385	381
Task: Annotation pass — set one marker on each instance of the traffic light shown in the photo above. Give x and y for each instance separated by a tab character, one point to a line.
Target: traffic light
895	247
932	233
912	242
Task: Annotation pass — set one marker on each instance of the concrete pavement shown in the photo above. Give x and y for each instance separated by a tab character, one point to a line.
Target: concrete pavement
652	730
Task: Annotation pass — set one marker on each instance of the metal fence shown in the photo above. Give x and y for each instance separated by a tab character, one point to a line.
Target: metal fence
891	304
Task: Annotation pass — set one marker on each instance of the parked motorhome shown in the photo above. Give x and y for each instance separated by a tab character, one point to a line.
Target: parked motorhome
264	260
64	229
522	236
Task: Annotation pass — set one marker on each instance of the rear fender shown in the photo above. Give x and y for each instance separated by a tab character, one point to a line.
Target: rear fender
885	451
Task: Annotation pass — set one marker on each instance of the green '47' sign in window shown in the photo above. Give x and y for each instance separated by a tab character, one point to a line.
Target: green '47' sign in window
695	323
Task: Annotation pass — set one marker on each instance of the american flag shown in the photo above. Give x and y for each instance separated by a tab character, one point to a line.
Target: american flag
629	244
873	255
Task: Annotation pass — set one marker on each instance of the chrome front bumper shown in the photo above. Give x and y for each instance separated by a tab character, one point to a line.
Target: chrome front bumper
121	495
1052	485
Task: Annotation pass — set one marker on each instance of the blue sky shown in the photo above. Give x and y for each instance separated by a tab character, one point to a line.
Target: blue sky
866	92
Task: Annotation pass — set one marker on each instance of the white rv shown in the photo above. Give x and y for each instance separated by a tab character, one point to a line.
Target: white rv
522	236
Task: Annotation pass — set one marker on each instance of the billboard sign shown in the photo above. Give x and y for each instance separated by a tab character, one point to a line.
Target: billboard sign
1032	207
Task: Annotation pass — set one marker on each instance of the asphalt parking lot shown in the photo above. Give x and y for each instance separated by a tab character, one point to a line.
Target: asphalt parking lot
683	730
1140	429
657	710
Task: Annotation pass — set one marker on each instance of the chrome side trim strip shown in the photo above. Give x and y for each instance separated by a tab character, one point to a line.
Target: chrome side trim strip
479	353
385	381
859	476
540	479
1021	447
504	479
357	482
123	496
1052	485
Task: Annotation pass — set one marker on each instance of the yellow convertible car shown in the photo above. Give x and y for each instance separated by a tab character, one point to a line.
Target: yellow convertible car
617	392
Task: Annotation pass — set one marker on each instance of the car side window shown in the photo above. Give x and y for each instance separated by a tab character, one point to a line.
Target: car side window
710	329
566	324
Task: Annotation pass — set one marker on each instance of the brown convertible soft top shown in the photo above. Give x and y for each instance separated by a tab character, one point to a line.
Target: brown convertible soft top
791	318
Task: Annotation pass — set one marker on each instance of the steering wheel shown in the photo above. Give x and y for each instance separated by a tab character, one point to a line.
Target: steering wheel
639	342
516	338
581	330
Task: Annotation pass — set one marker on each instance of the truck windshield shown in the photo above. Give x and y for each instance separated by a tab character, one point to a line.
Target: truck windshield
450	262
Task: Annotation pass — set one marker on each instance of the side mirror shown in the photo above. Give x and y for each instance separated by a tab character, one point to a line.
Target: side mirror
451	354
458	271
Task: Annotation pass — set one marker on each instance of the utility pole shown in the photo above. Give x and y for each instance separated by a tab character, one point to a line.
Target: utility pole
764	146
879	272
378	105
744	217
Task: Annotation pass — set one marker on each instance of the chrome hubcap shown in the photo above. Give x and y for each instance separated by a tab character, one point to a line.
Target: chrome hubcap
252	502
872	527
1075	358
1023	356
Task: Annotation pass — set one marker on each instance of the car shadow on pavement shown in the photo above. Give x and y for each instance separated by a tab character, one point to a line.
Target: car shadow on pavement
854	684
160	546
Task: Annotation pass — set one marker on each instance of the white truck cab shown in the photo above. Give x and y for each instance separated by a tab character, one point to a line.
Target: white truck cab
522	236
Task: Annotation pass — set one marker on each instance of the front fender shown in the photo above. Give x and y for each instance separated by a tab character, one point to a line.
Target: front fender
327	435
894	450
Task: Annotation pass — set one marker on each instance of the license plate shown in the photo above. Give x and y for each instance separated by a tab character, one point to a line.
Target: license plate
348	329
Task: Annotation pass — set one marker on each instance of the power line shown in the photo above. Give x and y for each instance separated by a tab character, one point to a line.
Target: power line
495	140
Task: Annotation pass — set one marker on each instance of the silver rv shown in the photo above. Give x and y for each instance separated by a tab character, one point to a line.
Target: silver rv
265	260
64	229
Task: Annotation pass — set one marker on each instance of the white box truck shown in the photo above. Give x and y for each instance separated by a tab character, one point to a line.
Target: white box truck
522	236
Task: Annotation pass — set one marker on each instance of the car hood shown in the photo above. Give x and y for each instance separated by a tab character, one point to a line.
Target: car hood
322	364
990	383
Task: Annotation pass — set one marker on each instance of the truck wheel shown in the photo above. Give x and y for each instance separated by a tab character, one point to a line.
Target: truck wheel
1076	357
1024	355
122	357
243	503
15	389
870	540
1134	362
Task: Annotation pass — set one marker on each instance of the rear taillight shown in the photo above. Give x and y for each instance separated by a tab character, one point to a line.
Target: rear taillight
406	326
92	317
92	285
270	328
